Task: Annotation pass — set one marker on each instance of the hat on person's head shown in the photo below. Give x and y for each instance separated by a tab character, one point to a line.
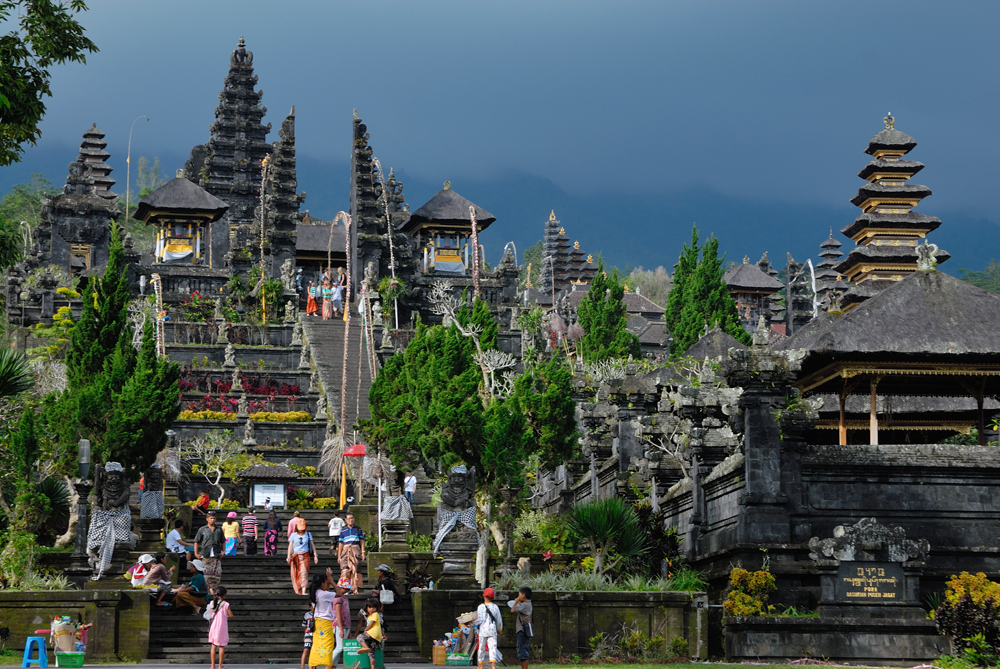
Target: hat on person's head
489	593
146	558
384	567
198	564
231	515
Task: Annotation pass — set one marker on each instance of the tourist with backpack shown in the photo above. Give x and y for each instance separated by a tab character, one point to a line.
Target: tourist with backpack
490	625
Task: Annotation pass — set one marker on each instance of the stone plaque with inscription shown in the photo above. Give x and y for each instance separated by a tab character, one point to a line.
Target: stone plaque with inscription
870	583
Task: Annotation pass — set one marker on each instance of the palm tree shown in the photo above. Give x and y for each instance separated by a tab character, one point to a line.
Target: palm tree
15	373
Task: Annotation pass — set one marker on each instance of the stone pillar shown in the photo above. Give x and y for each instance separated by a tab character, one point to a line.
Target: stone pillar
150	534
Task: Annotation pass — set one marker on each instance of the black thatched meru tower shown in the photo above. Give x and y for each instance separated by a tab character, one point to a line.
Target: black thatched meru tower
283	205
888	230
229	165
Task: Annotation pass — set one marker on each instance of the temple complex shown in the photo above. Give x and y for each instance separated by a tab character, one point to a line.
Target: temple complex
888	230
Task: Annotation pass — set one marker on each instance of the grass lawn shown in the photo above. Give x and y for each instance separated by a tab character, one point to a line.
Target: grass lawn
676	665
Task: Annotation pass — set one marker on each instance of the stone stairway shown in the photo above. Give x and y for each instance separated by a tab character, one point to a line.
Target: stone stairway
267	618
326	340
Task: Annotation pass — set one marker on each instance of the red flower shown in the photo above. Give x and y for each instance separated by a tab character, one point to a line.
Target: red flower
547	555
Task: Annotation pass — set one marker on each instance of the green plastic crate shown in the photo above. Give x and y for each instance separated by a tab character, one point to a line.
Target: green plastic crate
352	656
69	659
458	660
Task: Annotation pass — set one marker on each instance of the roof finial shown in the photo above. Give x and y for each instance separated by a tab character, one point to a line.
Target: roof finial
552	216
746	260
241	43
180	174
447	185
890	121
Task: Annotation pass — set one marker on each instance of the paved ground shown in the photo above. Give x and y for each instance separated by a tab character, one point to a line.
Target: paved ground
153	665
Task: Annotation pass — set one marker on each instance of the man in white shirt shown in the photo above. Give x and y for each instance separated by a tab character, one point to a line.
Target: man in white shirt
335	525
410	487
268	505
177	545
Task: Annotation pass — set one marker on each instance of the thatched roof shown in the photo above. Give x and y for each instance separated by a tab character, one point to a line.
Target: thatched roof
713	345
182	197
316	237
749	277
927	314
450	208
269	472
891	139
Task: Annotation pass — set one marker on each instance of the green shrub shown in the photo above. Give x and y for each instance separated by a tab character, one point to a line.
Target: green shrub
419	543
17	558
679	648
536	532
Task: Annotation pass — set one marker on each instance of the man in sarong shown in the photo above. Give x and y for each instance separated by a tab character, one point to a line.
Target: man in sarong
351	548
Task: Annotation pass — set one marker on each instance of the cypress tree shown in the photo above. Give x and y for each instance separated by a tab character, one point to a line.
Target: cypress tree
707	303
686	265
604	320
146	407
104	317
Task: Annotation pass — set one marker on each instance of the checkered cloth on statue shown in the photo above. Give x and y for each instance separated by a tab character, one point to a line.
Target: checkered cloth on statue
396	508
449	519
151	505
107	528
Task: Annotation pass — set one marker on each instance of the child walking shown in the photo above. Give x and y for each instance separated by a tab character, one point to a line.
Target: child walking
218	631
490	624
310	624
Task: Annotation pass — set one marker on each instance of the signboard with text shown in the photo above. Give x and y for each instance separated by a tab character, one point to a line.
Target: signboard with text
870	582
263	491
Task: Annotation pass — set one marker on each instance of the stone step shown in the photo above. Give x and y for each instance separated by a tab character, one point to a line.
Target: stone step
326	340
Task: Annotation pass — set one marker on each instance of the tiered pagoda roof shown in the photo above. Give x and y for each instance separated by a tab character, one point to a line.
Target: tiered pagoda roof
569	265
285	200
229	165
93	155
887	231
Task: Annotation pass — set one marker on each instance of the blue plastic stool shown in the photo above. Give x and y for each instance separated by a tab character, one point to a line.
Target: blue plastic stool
36	643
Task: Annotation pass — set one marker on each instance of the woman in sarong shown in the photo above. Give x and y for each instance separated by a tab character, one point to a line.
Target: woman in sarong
311	306
324	594
231	530
271	528
300	549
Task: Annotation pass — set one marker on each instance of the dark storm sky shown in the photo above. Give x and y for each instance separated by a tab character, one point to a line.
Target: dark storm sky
631	119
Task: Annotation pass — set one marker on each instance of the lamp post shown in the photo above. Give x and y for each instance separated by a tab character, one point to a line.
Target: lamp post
128	162
83	488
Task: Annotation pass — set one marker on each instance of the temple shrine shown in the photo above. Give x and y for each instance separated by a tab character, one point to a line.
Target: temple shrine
229	165
563	264
442	229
